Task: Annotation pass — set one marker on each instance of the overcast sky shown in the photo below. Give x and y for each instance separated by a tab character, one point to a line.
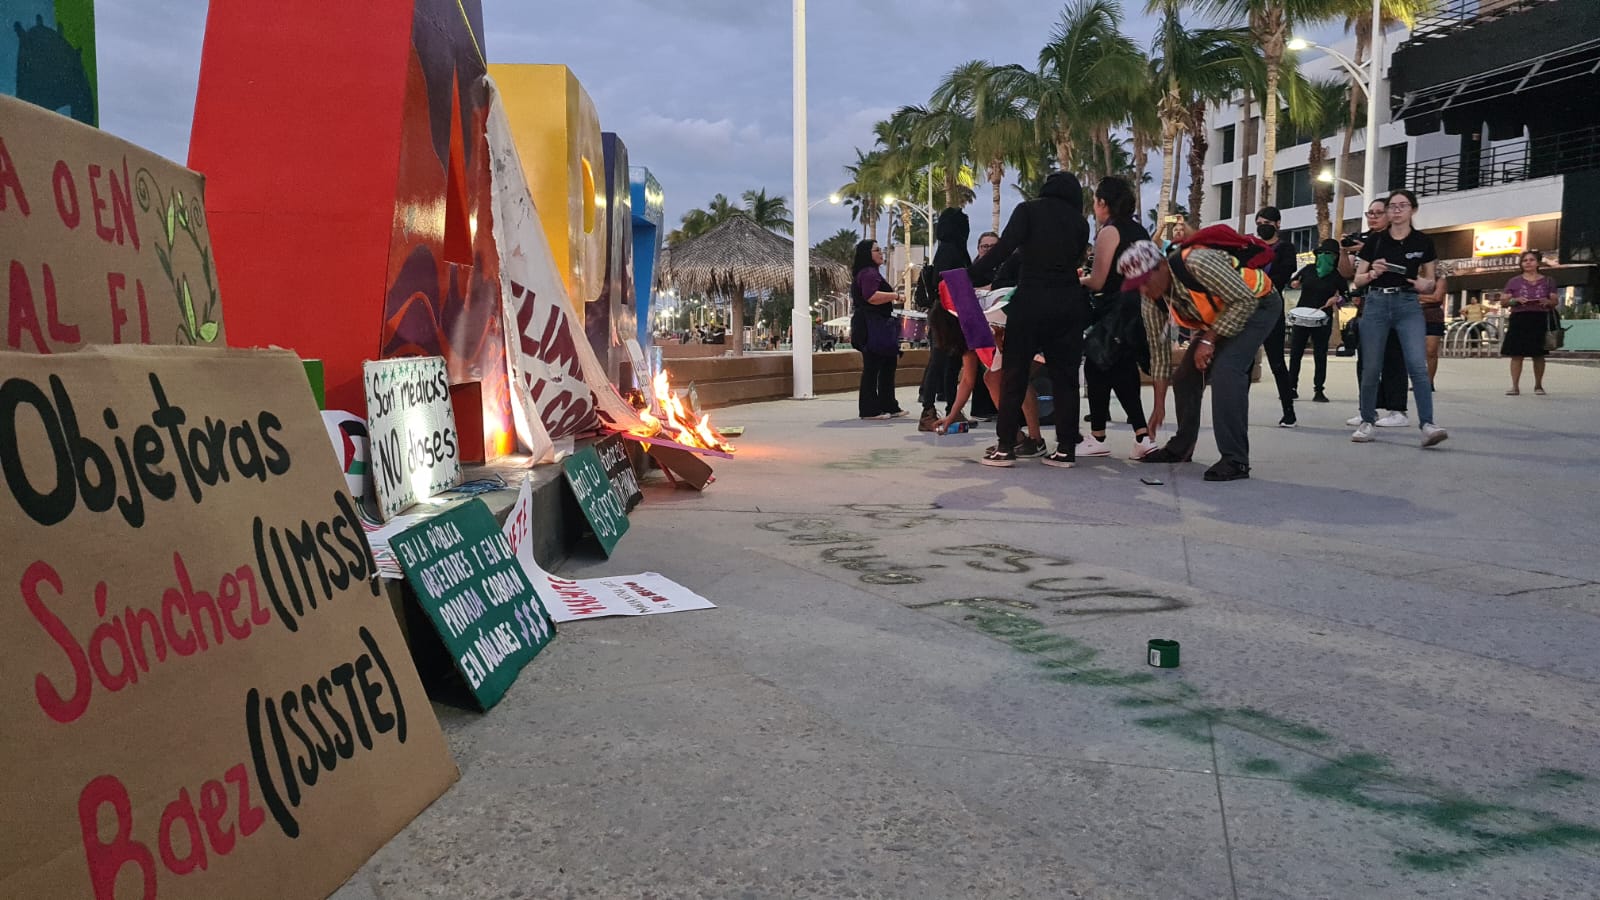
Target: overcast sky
699	90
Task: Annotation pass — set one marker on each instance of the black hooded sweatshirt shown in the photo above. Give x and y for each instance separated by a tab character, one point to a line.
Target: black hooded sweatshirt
1052	234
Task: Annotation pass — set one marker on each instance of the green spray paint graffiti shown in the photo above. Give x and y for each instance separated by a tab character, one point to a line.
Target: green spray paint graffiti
1359	780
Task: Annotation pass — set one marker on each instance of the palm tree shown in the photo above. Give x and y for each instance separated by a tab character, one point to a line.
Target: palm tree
771	213
839	246
1144	131
1270	23
1082	86
696	222
1358	18
1318	110
863	193
1001	130
944	132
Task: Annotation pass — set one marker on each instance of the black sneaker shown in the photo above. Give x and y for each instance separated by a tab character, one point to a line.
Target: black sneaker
1163	455
1003	459
1029	448
1294	393
1227	470
1319	397
1288	420
1060	459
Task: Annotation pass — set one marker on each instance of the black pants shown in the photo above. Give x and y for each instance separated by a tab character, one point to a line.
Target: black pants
1318	337
877	384
1054	326
939	379
1280	369
1392	384
1123	378
1229	376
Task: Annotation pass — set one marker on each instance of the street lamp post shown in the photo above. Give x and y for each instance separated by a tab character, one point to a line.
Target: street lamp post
1370	88
800	319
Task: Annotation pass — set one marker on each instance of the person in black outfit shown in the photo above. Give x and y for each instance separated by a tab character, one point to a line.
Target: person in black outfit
1047	312
983	406
944	359
1281	271
1321	287
1117	320
872	331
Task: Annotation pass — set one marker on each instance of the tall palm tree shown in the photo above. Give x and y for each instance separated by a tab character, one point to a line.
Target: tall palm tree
771	213
1001	128
1271	23
1085	76
696	222
1318	109
1358	18
942	132
1144	132
863	193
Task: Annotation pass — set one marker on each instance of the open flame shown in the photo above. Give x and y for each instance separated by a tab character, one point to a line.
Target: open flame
679	423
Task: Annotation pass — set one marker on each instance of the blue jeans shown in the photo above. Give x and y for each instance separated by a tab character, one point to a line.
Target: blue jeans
1401	313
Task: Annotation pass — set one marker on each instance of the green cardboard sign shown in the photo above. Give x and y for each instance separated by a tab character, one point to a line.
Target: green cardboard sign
605	511
476	595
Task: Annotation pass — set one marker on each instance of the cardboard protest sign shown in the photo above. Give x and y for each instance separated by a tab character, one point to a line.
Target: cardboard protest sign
101	242
480	602
415	448
607	516
645	594
619	471
203	694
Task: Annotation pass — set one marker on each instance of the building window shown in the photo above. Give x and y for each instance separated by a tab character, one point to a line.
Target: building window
1225	199
1294	188
1398	164
1225	138
1304	240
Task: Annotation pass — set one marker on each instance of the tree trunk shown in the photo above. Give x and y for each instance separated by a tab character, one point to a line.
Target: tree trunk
1273	50
951	187
1063	142
1169	172
1247	147
1320	192
869	216
1141	166
997	174
1199	145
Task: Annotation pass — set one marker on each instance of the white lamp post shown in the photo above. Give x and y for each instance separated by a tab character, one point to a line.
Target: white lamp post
800	321
1370	88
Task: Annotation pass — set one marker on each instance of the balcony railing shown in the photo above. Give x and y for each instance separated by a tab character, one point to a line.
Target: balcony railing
1540	157
1453	16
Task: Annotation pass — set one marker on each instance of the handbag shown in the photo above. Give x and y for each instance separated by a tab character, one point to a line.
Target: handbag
882	338
1556	337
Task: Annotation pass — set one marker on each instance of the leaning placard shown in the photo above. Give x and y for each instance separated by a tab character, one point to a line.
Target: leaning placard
607	515
103	242
412	428
203	694
475	593
619	471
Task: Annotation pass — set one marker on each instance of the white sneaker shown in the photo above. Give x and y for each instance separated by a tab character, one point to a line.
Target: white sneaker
1393	420
1354	420
1092	446
1433	434
1363	433
1142	446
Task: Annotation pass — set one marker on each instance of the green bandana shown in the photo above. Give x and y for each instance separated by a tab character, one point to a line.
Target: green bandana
1324	264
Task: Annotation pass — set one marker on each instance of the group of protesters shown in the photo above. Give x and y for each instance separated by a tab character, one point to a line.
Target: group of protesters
1191	312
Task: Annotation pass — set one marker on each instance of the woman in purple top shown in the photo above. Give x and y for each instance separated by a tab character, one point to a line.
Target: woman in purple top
1531	296
872	331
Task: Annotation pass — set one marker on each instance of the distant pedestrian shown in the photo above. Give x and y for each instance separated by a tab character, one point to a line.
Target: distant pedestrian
1433	319
1321	288
940	376
1281	271
872	332
1531	297
1231	312
1047	312
1395	266
1117	335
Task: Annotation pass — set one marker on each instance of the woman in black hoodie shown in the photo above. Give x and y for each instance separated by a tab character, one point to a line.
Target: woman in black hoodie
1047	313
939	378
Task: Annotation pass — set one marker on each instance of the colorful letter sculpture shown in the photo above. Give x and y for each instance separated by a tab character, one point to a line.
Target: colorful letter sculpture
649	213
47	56
345	148
609	320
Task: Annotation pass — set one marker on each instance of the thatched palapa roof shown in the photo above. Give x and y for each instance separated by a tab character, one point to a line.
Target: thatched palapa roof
740	255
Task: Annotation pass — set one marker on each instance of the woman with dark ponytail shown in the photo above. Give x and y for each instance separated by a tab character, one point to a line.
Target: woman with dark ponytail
1111	358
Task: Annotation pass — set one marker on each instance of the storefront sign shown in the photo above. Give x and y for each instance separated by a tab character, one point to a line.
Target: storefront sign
476	594
607	514
203	694
101	242
415	449
1498	241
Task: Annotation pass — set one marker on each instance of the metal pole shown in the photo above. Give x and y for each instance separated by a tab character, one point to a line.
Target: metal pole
800	322
1370	173
929	260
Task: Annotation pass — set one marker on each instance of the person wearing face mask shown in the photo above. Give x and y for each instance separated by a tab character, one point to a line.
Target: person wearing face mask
1321	288
1281	272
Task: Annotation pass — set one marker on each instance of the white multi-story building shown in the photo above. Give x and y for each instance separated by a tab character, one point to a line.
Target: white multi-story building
1485	129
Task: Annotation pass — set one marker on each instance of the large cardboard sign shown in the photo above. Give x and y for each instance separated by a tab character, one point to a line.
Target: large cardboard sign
480	602
606	512
203	694
415	449
101	242
559	386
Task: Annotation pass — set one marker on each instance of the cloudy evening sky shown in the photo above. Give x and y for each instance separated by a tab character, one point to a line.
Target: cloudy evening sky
698	89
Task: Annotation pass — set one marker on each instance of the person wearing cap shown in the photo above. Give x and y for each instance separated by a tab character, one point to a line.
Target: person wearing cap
1232	310
1284	261
1321	288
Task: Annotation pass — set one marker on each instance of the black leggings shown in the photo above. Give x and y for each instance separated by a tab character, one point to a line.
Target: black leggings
1123	378
1054	327
1277	363
1318	338
877	384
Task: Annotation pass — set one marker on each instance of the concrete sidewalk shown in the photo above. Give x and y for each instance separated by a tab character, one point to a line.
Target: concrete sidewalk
927	678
